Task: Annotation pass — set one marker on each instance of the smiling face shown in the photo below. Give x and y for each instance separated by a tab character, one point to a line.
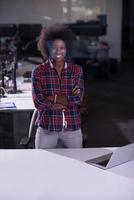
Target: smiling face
58	50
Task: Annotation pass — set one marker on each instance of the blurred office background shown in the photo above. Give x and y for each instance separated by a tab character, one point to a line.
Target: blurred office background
105	39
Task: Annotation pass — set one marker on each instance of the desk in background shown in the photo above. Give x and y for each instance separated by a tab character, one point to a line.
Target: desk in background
21	114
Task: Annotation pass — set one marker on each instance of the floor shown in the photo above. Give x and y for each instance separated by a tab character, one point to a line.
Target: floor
110	119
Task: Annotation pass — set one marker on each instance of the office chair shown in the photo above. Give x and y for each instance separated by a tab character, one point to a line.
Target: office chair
28	142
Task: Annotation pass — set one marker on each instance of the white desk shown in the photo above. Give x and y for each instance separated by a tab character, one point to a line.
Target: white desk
21	114
42	175
23	102
126	169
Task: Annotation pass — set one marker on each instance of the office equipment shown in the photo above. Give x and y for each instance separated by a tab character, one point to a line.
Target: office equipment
8	61
96	27
119	156
8	30
29	30
7	105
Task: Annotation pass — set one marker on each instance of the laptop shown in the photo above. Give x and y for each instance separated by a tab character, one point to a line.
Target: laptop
117	157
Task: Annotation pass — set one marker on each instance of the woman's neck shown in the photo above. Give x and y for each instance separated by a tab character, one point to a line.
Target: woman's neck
59	64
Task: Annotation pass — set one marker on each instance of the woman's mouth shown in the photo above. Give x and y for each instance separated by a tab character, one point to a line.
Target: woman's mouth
58	56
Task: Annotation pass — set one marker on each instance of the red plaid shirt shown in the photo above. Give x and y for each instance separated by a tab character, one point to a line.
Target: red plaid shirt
46	82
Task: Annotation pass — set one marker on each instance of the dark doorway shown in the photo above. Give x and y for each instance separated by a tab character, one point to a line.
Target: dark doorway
128	30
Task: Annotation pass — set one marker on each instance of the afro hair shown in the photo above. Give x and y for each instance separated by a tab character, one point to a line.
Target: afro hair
51	33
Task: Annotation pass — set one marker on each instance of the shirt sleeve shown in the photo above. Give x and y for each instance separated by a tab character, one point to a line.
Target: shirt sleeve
74	100
40	102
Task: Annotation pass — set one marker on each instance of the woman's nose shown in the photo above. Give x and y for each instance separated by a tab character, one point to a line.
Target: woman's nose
58	50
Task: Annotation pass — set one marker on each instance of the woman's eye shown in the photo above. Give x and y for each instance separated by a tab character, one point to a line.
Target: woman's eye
60	48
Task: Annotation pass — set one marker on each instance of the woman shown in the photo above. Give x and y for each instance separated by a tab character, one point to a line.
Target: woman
57	90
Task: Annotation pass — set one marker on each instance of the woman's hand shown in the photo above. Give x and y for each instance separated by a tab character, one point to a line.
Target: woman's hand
76	90
57	106
61	101
51	98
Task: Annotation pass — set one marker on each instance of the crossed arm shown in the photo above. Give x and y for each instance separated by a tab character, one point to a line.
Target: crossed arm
42	102
62	101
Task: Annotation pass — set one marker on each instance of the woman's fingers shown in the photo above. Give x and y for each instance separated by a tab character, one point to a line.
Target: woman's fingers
58	106
76	90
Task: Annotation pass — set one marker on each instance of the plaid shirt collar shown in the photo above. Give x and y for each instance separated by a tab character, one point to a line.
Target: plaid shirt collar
51	62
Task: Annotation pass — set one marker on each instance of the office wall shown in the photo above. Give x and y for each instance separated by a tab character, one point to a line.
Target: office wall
36	11
114	21
30	11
